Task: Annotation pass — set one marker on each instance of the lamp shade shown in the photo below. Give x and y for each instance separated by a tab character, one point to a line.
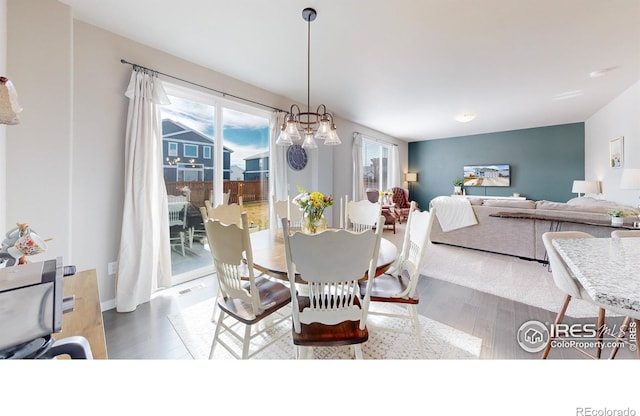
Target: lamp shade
630	179
585	187
411	177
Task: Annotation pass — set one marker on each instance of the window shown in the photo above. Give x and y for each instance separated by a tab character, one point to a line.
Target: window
219	141
375	164
172	149
190	150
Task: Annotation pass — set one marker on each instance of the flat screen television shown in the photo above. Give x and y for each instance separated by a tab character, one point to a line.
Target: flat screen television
487	175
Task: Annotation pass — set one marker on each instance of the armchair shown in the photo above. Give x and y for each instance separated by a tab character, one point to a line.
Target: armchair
401	203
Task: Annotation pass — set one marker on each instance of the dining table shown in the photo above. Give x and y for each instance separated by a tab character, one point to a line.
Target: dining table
609	271
269	254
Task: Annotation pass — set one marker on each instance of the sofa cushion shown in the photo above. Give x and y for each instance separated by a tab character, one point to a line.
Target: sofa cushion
599	206
509	203
475	200
588	201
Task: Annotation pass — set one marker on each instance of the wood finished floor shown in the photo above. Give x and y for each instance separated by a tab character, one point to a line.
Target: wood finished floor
148	334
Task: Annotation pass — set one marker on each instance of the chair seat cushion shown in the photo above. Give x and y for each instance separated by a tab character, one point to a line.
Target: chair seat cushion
269	290
317	335
386	286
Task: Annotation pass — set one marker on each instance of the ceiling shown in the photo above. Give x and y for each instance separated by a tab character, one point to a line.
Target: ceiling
406	68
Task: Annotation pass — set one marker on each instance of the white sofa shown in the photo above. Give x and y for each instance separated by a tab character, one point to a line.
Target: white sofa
522	237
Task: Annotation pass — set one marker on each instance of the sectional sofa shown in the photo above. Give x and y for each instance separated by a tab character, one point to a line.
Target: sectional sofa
515	227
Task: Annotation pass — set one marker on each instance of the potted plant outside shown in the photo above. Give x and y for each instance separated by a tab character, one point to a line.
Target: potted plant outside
457	186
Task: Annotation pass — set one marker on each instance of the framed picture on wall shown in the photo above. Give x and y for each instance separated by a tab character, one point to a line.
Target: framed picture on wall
616	152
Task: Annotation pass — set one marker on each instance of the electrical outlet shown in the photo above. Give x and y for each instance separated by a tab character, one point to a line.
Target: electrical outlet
112	268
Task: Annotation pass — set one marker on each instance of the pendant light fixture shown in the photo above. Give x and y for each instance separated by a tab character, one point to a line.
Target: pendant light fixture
308	126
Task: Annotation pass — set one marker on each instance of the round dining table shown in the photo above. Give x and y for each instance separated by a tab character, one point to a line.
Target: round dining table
269	256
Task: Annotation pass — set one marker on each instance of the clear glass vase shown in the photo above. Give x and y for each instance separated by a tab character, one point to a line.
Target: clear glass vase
312	224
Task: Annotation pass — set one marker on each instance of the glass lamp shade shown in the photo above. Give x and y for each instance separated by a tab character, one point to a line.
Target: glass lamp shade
292	130
333	139
324	129
284	139
309	142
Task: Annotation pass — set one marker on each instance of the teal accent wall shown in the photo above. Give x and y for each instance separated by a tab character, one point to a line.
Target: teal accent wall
544	162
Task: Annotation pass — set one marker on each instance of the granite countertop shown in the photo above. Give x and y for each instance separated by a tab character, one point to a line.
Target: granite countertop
608	269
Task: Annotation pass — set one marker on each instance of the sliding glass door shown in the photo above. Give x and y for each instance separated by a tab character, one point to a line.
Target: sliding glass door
199	167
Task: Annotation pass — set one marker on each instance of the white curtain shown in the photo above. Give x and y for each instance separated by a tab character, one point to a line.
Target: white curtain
144	262
277	167
358	173
395	171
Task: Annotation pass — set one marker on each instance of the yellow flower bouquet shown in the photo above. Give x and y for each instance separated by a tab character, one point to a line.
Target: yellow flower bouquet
312	205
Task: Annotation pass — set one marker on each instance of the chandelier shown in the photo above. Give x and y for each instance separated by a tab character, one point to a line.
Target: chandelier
308	126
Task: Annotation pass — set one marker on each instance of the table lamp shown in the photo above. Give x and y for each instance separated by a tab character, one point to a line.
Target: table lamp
410	177
584	187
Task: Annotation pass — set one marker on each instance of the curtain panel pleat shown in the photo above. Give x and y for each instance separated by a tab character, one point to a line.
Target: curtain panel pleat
144	262
395	171
358	173
277	167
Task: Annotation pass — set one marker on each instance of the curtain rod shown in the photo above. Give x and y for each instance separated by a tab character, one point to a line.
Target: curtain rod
224	94
375	139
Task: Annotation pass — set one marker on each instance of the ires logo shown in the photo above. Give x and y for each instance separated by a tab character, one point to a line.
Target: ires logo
533	336
573	331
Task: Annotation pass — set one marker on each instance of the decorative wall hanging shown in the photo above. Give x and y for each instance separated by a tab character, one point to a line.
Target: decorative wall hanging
616	152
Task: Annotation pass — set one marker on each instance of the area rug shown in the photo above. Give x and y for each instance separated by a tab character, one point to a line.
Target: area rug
194	326
524	281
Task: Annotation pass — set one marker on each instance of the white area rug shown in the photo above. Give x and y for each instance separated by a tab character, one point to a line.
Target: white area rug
524	281
195	328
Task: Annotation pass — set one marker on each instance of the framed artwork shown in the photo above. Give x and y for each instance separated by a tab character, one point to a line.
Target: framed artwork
616	152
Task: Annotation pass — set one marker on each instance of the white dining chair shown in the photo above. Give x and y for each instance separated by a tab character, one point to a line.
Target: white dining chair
568	284
177	207
328	307
243	297
362	215
287	209
625	233
227	214
399	285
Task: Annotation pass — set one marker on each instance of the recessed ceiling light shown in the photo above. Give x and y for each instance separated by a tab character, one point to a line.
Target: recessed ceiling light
601	72
568	94
467	117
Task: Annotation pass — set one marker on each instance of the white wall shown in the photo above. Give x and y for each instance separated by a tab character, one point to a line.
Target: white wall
619	118
3	128
72	134
39	159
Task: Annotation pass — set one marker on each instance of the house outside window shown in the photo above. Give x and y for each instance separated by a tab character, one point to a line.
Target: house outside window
206	152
